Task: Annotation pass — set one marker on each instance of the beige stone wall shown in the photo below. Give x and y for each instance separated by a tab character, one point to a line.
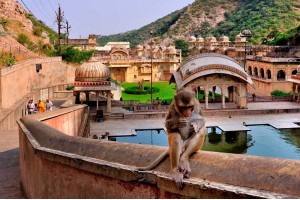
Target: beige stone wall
263	85
21	79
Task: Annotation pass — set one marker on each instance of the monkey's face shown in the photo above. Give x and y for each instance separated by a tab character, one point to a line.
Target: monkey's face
184	103
186	111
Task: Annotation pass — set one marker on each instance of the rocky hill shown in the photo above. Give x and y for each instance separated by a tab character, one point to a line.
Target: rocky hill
20	33
219	17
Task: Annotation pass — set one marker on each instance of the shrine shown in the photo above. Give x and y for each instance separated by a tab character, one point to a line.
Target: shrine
208	72
93	77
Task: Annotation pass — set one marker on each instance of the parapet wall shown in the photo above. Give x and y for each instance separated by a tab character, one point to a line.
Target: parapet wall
54	164
21	79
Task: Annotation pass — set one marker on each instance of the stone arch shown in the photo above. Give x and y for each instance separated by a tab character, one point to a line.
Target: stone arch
250	70
269	75
262	73
281	75
255	72
294	72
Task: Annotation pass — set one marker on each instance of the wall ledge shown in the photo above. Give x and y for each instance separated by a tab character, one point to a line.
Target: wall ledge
214	175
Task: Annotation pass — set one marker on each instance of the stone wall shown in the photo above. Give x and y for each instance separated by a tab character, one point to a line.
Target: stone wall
21	79
56	165
22	82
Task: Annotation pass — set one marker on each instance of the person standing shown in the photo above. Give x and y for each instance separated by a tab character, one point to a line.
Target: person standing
30	107
49	105
41	107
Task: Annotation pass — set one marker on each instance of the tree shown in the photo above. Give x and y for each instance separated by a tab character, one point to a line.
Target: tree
183	45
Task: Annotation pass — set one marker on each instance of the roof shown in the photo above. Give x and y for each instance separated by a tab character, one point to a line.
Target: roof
206	64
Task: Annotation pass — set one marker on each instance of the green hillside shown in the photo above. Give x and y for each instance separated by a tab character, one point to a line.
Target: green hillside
228	17
135	37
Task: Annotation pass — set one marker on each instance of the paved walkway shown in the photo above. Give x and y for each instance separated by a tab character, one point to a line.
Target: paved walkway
9	165
9	162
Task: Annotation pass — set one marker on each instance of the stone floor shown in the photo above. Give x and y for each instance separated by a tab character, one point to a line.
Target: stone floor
9	144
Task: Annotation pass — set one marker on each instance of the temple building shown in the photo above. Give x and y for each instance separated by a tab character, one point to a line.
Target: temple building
93	77
270	74
268	66
134	64
207	72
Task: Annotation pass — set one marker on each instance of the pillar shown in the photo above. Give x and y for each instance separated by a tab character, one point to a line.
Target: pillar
294	92
206	97
97	100
77	100
108	105
223	96
87	96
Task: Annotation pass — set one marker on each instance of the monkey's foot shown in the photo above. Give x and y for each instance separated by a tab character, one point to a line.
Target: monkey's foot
184	168
178	178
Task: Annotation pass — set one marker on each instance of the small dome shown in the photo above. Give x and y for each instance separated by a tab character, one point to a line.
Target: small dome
239	38
224	38
211	39
139	47
200	39
92	71
192	39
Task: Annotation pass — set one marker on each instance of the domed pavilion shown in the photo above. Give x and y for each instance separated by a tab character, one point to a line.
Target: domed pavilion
93	76
210	72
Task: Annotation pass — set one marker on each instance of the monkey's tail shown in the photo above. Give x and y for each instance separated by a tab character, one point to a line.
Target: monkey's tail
155	163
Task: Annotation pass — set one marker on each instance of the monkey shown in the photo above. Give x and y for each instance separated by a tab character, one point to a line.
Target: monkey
185	127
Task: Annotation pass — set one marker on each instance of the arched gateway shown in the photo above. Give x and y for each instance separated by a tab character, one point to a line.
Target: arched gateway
206	72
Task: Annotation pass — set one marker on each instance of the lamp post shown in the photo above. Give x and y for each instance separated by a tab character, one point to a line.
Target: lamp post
151	45
245	33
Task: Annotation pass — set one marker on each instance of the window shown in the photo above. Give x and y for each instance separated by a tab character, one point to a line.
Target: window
269	74
281	75
262	73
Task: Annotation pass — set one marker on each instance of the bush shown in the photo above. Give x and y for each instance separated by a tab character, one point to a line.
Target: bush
23	39
4	22
136	90
279	93
70	87
7	60
37	31
73	55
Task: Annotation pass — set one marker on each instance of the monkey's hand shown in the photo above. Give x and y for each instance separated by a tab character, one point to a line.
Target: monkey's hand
194	127
183	122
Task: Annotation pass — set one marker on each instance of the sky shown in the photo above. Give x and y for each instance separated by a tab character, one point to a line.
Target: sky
102	17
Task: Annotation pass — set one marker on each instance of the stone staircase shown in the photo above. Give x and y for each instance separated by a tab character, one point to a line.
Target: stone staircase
115	116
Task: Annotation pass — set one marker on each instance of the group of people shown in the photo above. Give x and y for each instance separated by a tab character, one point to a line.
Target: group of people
39	107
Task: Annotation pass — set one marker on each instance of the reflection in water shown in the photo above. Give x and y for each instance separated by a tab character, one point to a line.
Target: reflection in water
261	141
229	142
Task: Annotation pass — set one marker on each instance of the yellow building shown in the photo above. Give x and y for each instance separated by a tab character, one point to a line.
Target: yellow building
135	64
269	74
268	66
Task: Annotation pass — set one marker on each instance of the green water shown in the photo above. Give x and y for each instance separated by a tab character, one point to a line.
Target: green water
261	140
